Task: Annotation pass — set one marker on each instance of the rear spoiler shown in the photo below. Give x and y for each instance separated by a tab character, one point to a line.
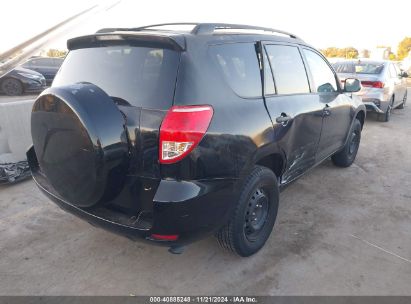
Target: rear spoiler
173	42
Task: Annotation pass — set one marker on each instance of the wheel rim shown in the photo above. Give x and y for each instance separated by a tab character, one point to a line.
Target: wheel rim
355	141
256	214
11	87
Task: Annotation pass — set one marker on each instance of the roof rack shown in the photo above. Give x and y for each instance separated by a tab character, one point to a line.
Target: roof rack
203	28
209	28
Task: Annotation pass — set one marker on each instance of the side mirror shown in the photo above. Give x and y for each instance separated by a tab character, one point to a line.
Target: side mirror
404	74
352	85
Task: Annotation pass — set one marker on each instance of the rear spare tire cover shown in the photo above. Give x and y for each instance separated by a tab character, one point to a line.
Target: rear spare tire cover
81	144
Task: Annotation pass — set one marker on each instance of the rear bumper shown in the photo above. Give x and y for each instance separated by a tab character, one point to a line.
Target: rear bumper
375	100
190	209
372	106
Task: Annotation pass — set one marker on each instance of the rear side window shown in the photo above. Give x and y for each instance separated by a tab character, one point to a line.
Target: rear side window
239	65
269	87
288	69
138	76
323	76
397	70
393	71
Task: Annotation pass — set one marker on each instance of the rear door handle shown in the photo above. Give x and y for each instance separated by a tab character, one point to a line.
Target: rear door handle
283	119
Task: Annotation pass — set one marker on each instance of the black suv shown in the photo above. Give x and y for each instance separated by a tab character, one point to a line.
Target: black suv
170	135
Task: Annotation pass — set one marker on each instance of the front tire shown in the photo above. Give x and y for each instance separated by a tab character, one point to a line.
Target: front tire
12	87
346	156
254	216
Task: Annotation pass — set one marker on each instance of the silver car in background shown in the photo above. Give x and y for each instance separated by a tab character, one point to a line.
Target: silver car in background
384	84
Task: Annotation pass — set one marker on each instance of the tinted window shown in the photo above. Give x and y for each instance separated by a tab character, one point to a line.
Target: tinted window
323	76
239	65
269	87
140	76
288	69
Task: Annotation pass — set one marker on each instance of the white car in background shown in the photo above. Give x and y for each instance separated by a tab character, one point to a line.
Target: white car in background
384	84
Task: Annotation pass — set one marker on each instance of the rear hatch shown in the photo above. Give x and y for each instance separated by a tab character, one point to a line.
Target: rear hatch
95	131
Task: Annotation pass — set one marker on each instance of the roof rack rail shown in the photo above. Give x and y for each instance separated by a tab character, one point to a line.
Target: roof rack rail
164	24
203	28
209	28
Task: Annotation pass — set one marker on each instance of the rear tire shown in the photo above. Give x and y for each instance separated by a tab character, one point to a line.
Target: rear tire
12	87
254	216
385	117
346	156
404	101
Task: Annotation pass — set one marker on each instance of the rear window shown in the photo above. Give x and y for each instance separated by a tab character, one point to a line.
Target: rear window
368	68
359	67
137	76
239	65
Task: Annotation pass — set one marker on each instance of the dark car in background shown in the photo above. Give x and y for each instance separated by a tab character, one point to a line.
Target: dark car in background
47	66
171	136
384	84
21	80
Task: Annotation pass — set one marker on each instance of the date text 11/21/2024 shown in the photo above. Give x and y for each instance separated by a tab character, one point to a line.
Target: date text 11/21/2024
203	299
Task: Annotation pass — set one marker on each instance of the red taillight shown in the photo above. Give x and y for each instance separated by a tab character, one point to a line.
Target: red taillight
182	129
373	84
162	237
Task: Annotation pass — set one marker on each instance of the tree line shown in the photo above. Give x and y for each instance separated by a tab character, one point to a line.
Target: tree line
403	50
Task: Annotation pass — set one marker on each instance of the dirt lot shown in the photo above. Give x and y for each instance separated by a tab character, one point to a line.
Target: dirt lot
339	232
